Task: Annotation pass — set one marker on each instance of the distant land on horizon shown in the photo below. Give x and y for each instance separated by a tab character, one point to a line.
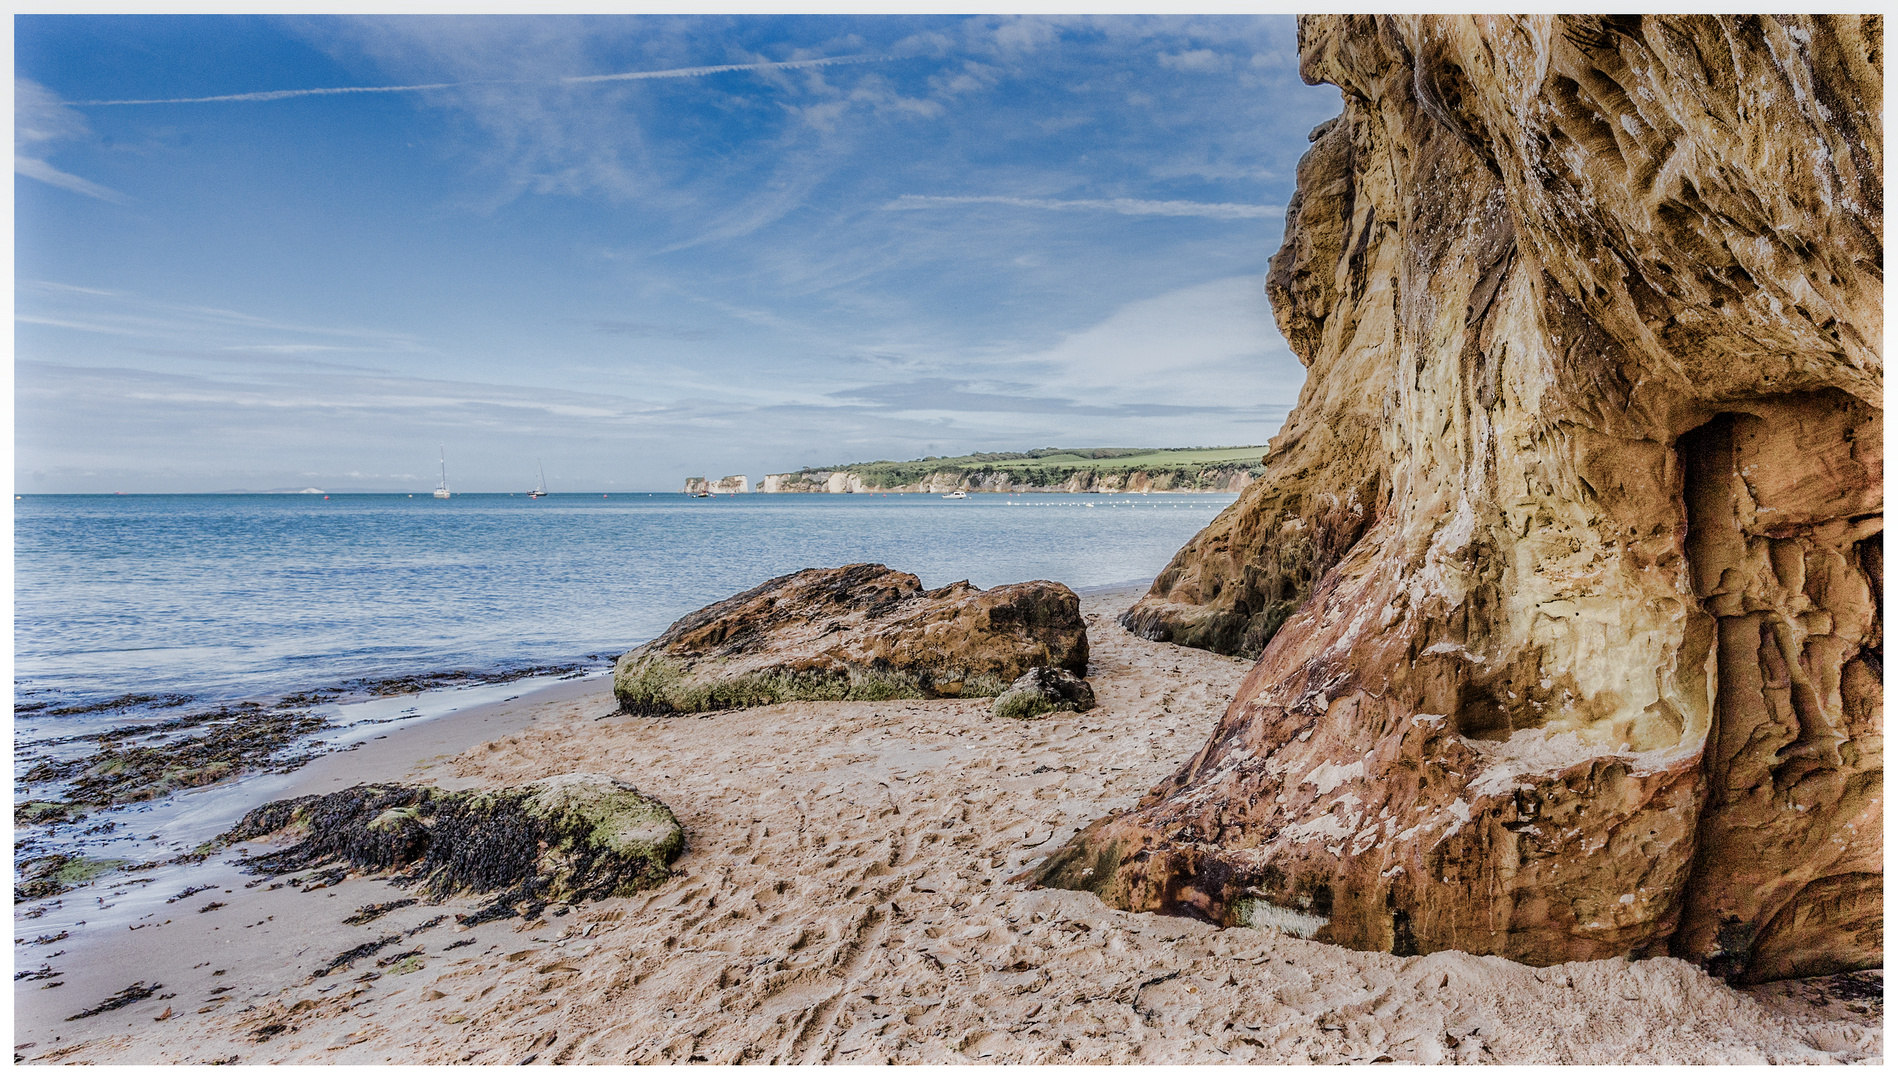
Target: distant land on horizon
1088	469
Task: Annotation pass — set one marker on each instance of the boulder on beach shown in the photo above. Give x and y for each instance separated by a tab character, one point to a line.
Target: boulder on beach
861	632
1564	575
578	836
1044	690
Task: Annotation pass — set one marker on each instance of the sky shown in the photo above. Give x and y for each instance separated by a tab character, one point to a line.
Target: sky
278	252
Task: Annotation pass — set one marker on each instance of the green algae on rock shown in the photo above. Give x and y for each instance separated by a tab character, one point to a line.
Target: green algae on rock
1041	691
50	875
856	633
580	836
126	769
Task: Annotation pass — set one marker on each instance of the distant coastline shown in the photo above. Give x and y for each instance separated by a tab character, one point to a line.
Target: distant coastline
1097	470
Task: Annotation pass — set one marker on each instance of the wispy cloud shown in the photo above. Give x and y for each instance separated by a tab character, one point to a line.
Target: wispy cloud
652	330
570	80
1133	207
40	120
124	314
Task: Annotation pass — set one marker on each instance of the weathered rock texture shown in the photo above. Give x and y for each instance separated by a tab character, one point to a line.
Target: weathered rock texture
1564	576
1044	690
859	632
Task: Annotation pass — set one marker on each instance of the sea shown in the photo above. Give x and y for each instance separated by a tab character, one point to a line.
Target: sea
144	619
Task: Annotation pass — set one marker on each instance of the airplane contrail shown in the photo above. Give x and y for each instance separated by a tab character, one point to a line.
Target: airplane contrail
626	76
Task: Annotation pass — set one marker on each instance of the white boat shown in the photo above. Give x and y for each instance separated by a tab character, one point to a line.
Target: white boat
540	489
442	492
957	495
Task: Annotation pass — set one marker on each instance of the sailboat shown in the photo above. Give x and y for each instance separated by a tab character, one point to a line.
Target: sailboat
442	492
540	488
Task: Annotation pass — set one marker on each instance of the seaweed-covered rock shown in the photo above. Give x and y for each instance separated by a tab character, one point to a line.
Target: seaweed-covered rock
1044	690
580	836
862	632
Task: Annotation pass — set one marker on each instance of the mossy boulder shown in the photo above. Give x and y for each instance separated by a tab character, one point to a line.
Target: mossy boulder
855	633
1044	690
579	836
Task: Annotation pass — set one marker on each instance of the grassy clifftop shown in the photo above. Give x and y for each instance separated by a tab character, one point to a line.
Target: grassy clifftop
1054	467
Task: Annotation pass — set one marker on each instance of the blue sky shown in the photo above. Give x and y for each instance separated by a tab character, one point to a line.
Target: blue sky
856	237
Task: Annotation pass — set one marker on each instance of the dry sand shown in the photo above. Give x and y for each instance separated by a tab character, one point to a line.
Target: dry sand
844	898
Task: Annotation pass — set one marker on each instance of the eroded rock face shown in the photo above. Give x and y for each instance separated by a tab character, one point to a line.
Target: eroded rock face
1564	575
859	632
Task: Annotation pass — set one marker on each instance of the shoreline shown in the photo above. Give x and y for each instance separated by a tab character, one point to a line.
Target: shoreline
844	897
171	927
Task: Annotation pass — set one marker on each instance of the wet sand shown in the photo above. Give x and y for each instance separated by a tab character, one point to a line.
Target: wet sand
844	898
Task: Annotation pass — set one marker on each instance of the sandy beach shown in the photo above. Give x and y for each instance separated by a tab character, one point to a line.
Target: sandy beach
844	897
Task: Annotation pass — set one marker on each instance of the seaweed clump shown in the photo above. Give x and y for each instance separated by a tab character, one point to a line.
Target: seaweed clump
49	875
131	995
568	838
118	773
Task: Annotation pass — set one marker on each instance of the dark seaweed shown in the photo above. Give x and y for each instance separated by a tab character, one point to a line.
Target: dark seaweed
392	960
348	957
119	774
458	944
131	995
122	703
369	913
429	925
325	879
435	680
448	841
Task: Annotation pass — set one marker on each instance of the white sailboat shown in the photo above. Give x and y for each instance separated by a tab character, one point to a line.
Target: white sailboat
442	492
540	489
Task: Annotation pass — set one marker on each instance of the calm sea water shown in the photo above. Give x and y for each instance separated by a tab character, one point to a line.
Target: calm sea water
205	600
233	595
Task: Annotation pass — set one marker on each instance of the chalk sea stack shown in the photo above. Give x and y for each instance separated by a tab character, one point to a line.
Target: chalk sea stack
861	632
1564	576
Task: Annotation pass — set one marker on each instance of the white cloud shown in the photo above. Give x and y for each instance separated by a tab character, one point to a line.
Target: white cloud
198	327
1193	60
1135	207
1212	344
41	120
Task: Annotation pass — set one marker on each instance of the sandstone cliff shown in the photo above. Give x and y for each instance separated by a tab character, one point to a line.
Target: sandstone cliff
1564	577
